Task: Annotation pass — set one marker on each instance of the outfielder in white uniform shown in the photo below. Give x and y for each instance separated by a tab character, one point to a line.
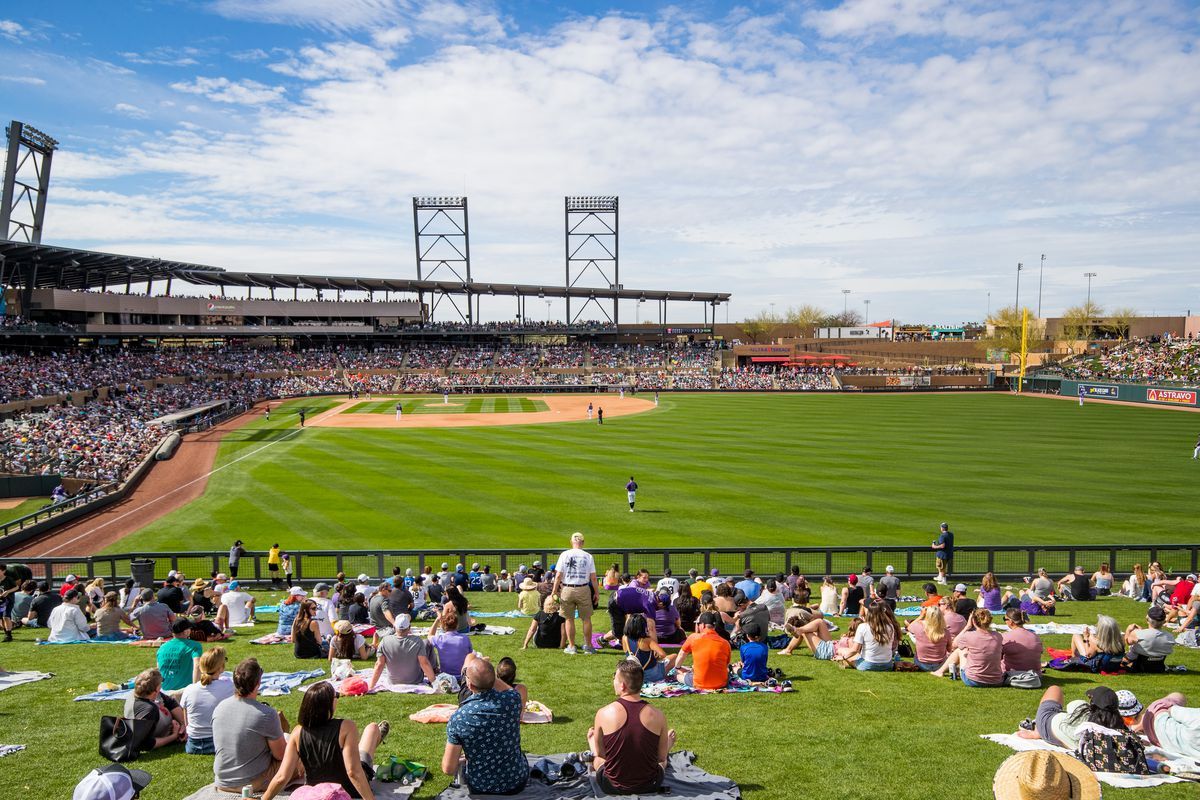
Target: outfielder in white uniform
399	411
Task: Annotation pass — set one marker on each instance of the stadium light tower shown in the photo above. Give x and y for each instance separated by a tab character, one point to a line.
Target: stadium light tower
1089	276
26	182
591	234
1017	302
845	301
1041	269
866	312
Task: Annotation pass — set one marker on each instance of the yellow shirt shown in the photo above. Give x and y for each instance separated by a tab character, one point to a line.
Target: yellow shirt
700	587
273	555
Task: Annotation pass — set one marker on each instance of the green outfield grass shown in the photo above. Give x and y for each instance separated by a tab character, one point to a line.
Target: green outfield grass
459	404
732	470
26	507
900	736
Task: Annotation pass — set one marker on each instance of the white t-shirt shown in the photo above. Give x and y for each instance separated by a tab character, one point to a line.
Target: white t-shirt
326	614
668	585
236	601
200	702
366	590
873	651
420	595
67	624
576	567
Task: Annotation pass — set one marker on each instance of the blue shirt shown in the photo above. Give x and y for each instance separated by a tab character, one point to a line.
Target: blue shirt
488	728
947	538
475	581
287	615
750	587
754	661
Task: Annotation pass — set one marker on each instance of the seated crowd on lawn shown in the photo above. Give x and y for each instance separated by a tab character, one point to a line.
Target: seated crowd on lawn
719	627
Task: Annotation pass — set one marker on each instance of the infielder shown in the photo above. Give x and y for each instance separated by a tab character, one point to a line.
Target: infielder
1081	394
631	492
656	398
622	392
399	411
600	416
590	409
445	398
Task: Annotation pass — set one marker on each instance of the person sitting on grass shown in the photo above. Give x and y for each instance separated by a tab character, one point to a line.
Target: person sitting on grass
710	656
1076	586
978	654
772	599
178	656
641	647
451	645
688	608
67	622
1148	647
809	627
306	633
1190	617
1038	598
667	619
1102	581
875	643
1098	652
327	749
109	618
154	618
344	647
547	628
1021	648
356	613
504	583
405	657
989	595
629	738
237	607
528	598
248	736
200	699
487	729
753	666
379	610
149	703
852	598
933	643
932	598
955	623
506	671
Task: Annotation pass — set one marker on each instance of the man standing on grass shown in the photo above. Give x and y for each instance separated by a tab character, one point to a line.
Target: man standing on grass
1081	395
301	413
399	411
631	492
944	549
591	409
600	416
576	589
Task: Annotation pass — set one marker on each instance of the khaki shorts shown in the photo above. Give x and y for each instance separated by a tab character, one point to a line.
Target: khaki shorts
576	598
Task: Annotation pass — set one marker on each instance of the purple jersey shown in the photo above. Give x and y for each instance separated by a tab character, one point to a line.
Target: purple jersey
631	486
633	599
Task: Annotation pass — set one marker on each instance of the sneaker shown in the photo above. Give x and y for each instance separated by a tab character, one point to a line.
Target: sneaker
384	727
588	651
570	650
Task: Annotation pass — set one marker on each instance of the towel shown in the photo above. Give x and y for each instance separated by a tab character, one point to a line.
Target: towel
1058	628
383	791
490	630
383	686
273	684
736	686
9	749
11	679
1120	780
535	713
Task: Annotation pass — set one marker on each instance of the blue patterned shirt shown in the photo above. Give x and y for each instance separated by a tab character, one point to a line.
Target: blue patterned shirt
488	728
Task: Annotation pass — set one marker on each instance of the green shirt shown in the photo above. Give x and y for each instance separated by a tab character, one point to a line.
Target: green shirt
175	662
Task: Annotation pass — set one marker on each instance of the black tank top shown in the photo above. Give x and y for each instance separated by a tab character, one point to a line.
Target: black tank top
321	756
305	644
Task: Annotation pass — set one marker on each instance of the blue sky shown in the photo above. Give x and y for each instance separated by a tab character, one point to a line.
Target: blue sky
912	151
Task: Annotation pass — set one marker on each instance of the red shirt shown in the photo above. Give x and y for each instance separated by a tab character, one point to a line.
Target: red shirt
710	658
1182	593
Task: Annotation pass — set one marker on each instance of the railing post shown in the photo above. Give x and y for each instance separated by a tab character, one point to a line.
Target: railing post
379	565
787	562
828	562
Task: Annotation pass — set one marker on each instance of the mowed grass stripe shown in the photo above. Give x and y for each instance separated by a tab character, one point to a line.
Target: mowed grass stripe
745	470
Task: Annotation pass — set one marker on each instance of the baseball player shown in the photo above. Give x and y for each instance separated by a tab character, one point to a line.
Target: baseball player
631	492
590	409
1081	394
1196	452
399	411
600	416
656	398
445	398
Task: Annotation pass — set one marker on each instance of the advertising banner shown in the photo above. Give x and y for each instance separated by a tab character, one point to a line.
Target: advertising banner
1098	390
1182	397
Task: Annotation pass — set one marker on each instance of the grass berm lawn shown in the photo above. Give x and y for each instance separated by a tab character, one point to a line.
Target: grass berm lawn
715	470
841	733
26	507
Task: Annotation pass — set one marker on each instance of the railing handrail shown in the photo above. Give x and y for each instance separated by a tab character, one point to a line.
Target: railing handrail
55	510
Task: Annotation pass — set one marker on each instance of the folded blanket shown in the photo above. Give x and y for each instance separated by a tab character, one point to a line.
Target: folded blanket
274	684
383	791
11	679
1058	628
383	686
908	611
683	779
736	686
140	642
1121	780
535	713
513	613
9	749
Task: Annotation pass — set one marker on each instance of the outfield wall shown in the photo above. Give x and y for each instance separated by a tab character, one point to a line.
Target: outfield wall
1149	394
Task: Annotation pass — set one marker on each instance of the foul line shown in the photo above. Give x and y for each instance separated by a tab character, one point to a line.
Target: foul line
205	476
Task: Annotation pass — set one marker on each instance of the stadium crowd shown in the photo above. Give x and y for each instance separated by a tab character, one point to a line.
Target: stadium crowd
1156	360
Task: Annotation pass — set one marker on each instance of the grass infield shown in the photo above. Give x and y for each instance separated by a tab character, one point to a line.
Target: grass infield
900	736
752	470
459	404
26	507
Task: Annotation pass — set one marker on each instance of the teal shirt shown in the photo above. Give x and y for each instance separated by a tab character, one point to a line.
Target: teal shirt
175	662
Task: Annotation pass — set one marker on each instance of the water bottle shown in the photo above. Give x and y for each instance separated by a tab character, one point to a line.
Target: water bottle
248	790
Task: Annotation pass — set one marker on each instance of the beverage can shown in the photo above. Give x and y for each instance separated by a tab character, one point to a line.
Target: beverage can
248	790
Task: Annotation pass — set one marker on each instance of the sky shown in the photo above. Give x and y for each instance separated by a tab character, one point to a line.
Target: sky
910	151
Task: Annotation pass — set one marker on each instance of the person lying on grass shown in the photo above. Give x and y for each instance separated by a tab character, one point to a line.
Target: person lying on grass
629	738
328	749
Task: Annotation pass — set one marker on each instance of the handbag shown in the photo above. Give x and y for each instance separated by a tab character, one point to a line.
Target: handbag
1024	679
121	738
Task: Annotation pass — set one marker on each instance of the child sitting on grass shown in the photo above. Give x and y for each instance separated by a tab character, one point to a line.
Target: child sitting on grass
753	666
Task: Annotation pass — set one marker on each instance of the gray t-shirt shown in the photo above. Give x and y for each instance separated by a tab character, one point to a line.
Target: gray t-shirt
401	653
1042	587
375	611
1153	644
890	584
154	619
241	731
757	613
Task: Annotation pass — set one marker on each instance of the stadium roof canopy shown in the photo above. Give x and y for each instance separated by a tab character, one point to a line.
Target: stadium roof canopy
48	267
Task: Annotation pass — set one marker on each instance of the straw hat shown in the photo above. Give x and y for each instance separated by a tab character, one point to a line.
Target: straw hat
1044	775
528	584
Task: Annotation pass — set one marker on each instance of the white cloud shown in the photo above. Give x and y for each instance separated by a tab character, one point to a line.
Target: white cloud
166	56
340	60
223	90
972	19
130	110
28	80
13	30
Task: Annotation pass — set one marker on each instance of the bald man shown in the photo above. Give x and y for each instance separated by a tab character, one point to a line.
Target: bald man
487	727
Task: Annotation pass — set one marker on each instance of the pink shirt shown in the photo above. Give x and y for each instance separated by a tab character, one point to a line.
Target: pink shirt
1021	650
929	652
955	623
983	655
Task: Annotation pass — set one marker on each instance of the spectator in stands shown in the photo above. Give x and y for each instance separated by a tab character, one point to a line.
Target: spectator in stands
149	703
710	656
237	607
327	749
248	736
629	738
200	699
487	728
405	657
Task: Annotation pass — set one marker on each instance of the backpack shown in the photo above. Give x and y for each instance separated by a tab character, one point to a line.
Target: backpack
1104	750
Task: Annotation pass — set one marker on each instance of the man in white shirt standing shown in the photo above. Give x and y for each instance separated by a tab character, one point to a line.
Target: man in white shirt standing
577	589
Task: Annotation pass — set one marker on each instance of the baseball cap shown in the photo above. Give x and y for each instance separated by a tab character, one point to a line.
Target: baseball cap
889	568
945	525
446	565
714	572
343	626
403	622
475	565
1103	697
852	579
1078	568
71	579
234	584
112	782
537	563
321	587
1191	576
1156	614
960	587
363	577
1128	703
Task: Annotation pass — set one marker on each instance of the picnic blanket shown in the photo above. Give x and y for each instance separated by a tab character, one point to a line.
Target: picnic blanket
11	679
513	613
683	780
9	749
1189	638
1120	780
383	791
384	684
490	630
535	713
274	684
736	686
1057	628
908	611
134	641
266	609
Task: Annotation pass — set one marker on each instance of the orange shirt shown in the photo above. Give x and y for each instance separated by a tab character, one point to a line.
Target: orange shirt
710	659
931	602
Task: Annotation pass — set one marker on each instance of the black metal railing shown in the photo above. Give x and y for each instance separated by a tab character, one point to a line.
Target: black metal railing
58	509
910	563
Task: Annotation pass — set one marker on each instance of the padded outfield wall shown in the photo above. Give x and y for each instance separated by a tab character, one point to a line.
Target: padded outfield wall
1148	393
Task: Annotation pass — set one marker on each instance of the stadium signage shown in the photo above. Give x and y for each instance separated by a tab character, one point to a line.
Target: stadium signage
215	307
907	380
688	330
1098	390
1176	396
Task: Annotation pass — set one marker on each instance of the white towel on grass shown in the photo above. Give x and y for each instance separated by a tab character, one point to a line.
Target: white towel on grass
1120	780
11	679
